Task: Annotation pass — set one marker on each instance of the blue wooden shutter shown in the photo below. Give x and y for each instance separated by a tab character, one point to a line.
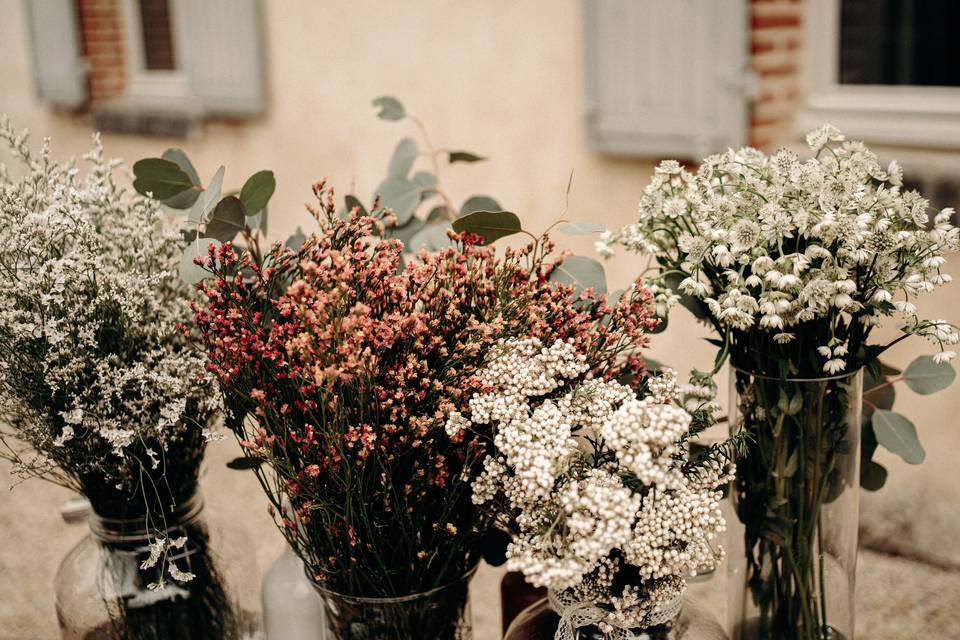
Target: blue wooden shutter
666	78
225	55
58	66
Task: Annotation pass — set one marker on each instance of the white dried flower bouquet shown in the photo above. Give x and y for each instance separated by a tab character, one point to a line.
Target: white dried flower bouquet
596	484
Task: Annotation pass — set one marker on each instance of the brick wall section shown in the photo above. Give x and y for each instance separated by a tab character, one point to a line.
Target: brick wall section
776	38
101	27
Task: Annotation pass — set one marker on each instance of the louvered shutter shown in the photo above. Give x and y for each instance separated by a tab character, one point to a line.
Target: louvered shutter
666	78
225	55
58	66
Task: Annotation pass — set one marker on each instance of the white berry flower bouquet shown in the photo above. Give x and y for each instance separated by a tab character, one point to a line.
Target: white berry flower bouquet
595	481
795	262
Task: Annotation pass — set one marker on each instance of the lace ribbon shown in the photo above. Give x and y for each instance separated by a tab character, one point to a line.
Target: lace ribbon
575	614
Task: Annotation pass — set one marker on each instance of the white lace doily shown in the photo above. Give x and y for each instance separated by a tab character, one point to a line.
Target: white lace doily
575	614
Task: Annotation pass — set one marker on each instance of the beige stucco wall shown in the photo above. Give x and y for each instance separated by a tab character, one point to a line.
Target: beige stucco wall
498	77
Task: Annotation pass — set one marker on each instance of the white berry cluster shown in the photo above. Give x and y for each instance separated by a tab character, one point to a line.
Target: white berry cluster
772	243
592	480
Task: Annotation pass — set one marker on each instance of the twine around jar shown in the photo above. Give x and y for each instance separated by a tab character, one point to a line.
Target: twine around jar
575	614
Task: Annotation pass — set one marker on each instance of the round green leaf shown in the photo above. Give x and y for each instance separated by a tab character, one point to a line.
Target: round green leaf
490	225
426	181
192	273
159	178
464	156
180	158
438	214
401	195
432	237
352	203
407	231
479	203
390	108
898	435
580	228
207	199
296	241
403	158
257	191
227	220
581	271
924	376
873	476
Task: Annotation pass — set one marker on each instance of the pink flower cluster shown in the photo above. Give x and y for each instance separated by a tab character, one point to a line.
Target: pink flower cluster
350	363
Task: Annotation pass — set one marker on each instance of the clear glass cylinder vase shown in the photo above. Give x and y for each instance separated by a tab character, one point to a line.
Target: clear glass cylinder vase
102	593
439	614
540	621
793	552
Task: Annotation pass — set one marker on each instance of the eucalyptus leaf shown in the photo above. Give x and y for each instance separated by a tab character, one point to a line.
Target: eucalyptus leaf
438	214
227	220
159	178
407	231
580	228
258	220
873	476
426	181
352	203
489	225
245	462
390	108
924	376
208	198
898	435
464	156
193	273
401	195
180	158
403	158
431	237
584	272
257	191
296	241
479	203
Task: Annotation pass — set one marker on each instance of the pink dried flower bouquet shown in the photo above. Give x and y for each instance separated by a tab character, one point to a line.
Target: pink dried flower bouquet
346	365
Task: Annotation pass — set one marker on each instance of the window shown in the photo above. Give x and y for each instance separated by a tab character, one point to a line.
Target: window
155	46
883	71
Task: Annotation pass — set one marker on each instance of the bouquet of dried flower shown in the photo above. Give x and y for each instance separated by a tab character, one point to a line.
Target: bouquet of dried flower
347	365
595	479
99	390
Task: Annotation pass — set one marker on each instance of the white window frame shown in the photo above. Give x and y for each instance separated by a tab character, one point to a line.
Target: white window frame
914	116
150	84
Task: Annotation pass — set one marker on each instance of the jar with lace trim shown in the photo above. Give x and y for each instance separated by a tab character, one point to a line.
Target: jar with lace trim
544	621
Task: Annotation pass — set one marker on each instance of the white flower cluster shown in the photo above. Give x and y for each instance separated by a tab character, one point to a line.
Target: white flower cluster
93	364
773	242
593	480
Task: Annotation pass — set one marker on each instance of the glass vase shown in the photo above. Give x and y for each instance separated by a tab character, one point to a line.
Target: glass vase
793	551
102	593
541	622
439	614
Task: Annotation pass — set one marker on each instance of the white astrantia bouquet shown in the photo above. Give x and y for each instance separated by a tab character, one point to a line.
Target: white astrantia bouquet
100	391
795	262
595	482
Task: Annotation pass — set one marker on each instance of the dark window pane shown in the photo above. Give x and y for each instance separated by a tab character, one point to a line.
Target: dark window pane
910	42
157	35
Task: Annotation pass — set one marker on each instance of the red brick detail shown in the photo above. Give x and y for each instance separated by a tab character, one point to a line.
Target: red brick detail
776	36
101	26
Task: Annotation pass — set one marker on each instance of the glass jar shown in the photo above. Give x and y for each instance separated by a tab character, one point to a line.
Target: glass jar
439	614
541	622
102	593
793	552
